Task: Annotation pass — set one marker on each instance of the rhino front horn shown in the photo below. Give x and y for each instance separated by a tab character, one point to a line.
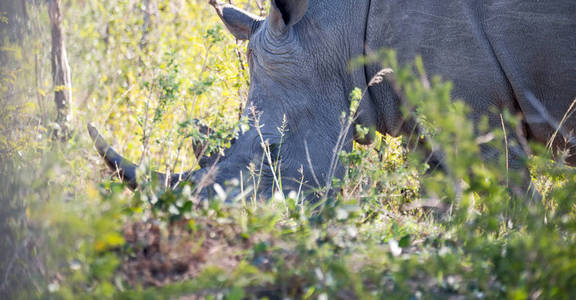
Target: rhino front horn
125	169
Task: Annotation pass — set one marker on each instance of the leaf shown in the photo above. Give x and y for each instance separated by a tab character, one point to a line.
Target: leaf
405	241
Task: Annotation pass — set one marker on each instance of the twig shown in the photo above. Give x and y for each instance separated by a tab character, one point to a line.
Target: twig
506	149
567	115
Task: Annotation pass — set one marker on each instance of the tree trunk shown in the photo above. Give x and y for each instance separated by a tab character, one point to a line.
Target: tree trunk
60	71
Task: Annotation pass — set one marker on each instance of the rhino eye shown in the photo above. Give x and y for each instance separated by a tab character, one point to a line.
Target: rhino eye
275	152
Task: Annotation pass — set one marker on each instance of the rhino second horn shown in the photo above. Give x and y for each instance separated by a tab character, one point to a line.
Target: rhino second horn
124	168
200	147
204	158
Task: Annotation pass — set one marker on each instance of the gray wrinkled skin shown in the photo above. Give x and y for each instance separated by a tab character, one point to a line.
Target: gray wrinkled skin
499	54
513	55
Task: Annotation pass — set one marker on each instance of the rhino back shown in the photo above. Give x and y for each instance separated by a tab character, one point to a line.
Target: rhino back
490	50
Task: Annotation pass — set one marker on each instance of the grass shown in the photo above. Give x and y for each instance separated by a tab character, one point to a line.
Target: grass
69	230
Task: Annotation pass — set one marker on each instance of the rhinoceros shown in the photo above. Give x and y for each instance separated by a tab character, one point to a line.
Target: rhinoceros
515	55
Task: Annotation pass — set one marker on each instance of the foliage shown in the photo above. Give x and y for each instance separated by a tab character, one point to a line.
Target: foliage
145	72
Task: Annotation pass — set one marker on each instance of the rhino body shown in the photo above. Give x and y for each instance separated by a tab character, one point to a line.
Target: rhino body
518	56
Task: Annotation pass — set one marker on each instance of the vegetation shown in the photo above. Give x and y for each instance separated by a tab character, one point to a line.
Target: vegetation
143	71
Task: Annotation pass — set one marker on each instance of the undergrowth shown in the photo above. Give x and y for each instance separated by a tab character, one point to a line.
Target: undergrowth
392	229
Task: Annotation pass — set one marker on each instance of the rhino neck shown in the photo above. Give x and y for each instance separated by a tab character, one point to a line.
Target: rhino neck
345	23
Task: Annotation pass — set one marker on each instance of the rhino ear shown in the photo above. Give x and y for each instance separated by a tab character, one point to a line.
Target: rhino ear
285	13
239	23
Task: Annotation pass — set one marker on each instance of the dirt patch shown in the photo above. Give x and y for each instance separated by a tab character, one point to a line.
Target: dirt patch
156	255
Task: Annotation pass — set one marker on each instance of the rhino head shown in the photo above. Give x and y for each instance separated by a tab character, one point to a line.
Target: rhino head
300	81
